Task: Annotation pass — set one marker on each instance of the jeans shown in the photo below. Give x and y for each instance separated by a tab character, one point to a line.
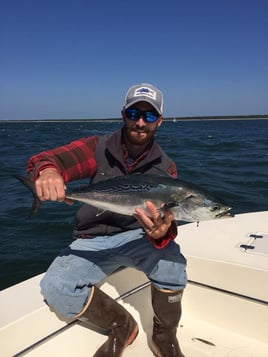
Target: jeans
86	262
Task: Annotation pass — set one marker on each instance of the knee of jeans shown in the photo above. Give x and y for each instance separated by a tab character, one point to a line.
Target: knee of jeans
47	289
63	297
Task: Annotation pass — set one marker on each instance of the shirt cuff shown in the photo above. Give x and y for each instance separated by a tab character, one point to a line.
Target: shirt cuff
36	172
170	235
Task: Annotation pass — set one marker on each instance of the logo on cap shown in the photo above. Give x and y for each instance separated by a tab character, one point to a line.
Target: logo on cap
145	91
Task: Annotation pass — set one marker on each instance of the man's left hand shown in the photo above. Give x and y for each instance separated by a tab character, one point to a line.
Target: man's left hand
156	222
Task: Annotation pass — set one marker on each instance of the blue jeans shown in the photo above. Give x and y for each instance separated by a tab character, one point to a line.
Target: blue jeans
86	262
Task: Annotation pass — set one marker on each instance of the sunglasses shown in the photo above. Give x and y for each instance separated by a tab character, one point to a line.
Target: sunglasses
135	114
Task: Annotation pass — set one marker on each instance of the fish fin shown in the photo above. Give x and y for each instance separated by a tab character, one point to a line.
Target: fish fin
168	205
30	185
100	213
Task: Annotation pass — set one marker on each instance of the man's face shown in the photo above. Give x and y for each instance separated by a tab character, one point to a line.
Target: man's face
140	132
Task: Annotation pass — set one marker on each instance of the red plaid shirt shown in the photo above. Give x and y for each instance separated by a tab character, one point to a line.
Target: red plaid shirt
73	161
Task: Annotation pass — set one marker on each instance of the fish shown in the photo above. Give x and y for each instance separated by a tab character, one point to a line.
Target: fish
187	201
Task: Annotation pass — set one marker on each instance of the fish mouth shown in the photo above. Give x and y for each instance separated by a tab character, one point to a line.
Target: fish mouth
225	214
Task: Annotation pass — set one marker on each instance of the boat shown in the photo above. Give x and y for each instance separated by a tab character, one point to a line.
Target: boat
225	304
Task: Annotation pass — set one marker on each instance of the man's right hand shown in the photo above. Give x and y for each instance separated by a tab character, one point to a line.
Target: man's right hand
50	186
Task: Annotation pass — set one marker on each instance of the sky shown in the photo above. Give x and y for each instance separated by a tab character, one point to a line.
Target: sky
76	59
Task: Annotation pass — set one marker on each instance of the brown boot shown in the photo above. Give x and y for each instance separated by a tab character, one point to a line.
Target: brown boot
107	314
167	309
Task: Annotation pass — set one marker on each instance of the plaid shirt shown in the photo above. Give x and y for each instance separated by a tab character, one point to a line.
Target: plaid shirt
73	161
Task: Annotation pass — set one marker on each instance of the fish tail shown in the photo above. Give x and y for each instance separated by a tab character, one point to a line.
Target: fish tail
31	186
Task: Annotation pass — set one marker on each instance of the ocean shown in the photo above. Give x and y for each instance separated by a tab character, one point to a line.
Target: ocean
227	157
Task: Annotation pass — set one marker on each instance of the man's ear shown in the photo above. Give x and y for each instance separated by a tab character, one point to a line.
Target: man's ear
123	114
160	121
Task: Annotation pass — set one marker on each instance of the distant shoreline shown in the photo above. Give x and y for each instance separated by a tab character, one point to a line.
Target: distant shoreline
171	119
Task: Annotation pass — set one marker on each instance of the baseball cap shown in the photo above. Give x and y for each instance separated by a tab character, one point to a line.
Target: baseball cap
145	92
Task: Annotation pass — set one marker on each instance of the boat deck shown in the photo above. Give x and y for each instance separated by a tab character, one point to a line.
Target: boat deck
40	333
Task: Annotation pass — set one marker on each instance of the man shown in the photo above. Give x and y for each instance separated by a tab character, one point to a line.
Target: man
69	286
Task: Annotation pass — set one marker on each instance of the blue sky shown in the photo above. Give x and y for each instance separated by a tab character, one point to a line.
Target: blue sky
76	59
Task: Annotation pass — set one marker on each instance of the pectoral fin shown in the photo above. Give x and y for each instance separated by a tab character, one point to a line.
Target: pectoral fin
168	205
100	213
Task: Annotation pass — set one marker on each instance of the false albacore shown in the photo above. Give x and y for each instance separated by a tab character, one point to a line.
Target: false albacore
123	194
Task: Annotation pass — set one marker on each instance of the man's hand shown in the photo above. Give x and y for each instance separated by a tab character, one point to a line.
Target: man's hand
50	186
154	223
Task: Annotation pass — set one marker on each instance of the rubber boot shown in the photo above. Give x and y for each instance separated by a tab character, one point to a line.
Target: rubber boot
107	314
167	310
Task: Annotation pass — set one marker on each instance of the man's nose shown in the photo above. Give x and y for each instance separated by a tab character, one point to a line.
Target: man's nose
140	121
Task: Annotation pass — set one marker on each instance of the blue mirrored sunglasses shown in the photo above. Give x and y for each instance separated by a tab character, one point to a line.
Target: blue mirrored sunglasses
135	114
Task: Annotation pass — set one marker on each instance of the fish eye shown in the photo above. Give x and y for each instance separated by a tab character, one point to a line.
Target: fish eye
215	208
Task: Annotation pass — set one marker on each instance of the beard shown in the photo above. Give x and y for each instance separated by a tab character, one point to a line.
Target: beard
138	136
